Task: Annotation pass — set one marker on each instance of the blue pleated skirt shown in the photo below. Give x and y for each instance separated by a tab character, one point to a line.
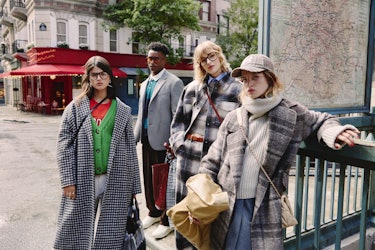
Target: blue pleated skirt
239	233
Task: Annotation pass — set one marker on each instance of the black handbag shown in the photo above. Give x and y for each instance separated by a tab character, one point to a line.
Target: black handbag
134	237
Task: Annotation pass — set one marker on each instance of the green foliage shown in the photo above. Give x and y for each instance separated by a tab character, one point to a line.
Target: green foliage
154	20
141	76
243	37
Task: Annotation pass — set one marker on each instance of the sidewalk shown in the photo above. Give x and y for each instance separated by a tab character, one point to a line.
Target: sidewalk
40	131
167	243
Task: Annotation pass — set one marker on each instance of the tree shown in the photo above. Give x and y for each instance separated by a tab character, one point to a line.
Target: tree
242	39
155	20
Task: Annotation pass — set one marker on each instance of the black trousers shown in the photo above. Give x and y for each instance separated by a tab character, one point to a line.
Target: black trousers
150	157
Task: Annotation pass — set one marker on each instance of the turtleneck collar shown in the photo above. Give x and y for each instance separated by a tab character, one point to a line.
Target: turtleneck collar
259	106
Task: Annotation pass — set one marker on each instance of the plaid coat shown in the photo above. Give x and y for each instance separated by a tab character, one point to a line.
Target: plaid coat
289	124
192	101
75	160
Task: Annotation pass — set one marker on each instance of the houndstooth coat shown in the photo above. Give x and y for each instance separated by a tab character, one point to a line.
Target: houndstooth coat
75	229
289	124
189	109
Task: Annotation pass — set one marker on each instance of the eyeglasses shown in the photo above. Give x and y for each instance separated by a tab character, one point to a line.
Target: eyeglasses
103	75
154	58
211	56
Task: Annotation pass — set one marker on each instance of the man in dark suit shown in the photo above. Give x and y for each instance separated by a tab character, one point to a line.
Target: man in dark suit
159	95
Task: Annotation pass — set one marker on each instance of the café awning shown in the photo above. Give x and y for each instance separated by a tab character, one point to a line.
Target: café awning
53	69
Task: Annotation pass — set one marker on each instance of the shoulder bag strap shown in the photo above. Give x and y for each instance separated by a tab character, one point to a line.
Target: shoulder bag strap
239	118
84	119
213	106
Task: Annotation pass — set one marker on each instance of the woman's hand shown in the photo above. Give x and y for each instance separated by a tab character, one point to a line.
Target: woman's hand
70	192
169	150
193	220
347	136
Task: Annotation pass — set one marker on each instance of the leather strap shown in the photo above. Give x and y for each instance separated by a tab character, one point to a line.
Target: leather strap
194	137
83	120
213	106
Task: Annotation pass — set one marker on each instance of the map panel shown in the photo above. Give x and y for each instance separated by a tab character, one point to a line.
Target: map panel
319	48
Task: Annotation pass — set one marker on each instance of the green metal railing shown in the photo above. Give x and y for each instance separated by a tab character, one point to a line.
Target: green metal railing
331	192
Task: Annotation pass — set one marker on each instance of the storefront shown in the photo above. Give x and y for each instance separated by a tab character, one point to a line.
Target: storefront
51	77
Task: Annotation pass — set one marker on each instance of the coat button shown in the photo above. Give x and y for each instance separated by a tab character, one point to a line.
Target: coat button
97	151
97	131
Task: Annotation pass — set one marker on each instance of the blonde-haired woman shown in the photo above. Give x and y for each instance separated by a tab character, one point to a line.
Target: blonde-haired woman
266	131
98	164
203	104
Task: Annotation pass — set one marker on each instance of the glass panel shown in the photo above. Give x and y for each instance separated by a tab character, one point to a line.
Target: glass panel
61	32
113	40
205	11
130	87
135	43
320	51
83	34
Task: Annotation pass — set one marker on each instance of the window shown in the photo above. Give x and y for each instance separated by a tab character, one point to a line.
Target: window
76	82
83	34
205	13
181	43
113	40
61	31
31	33
223	25
135	42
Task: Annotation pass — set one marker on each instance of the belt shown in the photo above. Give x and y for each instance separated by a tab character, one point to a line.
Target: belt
193	137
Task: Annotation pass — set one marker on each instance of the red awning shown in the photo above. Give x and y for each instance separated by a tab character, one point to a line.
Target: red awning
5	74
53	69
118	73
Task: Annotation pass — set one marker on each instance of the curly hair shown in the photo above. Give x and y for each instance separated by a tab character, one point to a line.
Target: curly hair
159	47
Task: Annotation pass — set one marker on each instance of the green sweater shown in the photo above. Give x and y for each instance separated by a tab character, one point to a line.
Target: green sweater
102	139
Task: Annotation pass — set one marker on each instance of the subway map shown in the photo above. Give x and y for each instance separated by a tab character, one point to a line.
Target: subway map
319	48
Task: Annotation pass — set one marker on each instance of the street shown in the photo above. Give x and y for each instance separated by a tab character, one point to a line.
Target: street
30	185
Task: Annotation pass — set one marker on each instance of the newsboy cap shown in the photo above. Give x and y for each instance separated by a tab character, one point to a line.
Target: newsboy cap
254	63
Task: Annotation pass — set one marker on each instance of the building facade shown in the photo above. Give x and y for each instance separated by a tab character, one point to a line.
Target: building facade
64	33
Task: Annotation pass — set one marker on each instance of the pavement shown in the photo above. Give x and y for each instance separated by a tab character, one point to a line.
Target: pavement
30	185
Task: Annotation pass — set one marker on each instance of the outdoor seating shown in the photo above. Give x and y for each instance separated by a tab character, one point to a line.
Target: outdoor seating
55	109
21	106
42	107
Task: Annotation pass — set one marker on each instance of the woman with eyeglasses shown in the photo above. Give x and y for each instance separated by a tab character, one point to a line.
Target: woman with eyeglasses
98	164
203	104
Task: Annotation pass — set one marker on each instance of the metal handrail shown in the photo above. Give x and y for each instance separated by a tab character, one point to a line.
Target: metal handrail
340	175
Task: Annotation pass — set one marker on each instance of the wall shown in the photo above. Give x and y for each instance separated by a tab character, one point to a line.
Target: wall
373	97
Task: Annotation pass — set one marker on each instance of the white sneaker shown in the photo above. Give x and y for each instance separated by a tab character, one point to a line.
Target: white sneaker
149	221
161	231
